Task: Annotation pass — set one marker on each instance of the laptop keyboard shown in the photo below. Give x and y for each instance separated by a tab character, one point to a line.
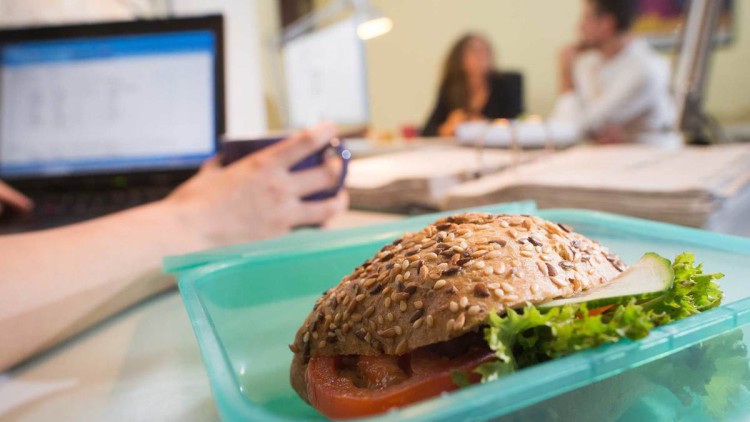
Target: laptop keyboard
94	202
55	209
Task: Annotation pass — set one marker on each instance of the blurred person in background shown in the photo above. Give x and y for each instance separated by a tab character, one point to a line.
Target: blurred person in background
613	86
55	283
471	88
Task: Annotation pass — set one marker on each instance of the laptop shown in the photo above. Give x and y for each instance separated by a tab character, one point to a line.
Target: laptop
98	118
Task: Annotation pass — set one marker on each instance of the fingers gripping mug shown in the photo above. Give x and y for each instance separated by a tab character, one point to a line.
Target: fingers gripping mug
235	150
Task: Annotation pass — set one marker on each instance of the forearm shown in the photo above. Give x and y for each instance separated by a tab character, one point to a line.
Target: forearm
56	283
566	64
566	80
619	104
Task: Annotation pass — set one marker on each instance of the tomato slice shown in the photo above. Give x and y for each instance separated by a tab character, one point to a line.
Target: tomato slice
383	382
380	372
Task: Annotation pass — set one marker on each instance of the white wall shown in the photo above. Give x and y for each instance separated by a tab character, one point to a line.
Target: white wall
268	26
41	12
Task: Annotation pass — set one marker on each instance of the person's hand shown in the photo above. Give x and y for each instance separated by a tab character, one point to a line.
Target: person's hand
611	134
475	117
10	197
258	196
455	118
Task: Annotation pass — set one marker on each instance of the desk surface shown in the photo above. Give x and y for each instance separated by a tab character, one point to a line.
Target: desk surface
143	364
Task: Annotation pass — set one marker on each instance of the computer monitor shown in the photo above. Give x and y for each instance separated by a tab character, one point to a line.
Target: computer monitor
326	77
110	98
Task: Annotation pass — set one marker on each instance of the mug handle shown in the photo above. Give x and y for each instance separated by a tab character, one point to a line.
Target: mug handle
345	155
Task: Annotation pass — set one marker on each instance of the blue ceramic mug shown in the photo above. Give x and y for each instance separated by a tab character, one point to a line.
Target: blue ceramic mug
235	150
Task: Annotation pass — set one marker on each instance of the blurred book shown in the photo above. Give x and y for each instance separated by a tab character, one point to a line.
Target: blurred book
420	177
706	187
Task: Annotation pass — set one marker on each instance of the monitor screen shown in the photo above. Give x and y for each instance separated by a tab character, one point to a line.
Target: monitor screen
107	104
326	77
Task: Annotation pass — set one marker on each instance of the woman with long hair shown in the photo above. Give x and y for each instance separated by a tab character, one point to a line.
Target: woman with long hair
471	88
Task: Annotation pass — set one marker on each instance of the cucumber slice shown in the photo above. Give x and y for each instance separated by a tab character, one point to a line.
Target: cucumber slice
649	277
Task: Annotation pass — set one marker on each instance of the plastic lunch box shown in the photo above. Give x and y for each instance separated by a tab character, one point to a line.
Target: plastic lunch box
246	302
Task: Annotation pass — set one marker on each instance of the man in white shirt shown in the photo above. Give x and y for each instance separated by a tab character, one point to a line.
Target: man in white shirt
614	88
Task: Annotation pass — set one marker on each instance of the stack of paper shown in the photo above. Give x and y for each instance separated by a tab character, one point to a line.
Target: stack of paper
695	186
421	177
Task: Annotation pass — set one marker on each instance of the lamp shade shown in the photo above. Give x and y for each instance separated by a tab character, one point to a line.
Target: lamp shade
371	22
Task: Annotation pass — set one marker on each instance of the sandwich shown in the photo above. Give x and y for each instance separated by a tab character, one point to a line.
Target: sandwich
448	306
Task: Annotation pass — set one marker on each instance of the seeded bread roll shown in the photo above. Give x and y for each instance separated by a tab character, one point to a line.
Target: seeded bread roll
443	281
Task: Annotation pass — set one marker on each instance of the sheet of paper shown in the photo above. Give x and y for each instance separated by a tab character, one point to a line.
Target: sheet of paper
426	163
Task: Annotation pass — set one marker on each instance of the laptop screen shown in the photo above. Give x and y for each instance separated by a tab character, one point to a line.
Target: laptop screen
107	104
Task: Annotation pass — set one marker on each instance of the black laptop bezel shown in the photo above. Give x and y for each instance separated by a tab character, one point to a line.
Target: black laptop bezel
214	23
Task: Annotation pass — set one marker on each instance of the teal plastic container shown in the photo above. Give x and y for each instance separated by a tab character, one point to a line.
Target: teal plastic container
246	302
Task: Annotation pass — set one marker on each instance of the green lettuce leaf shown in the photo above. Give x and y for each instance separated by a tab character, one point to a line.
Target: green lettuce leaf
531	336
693	292
524	338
